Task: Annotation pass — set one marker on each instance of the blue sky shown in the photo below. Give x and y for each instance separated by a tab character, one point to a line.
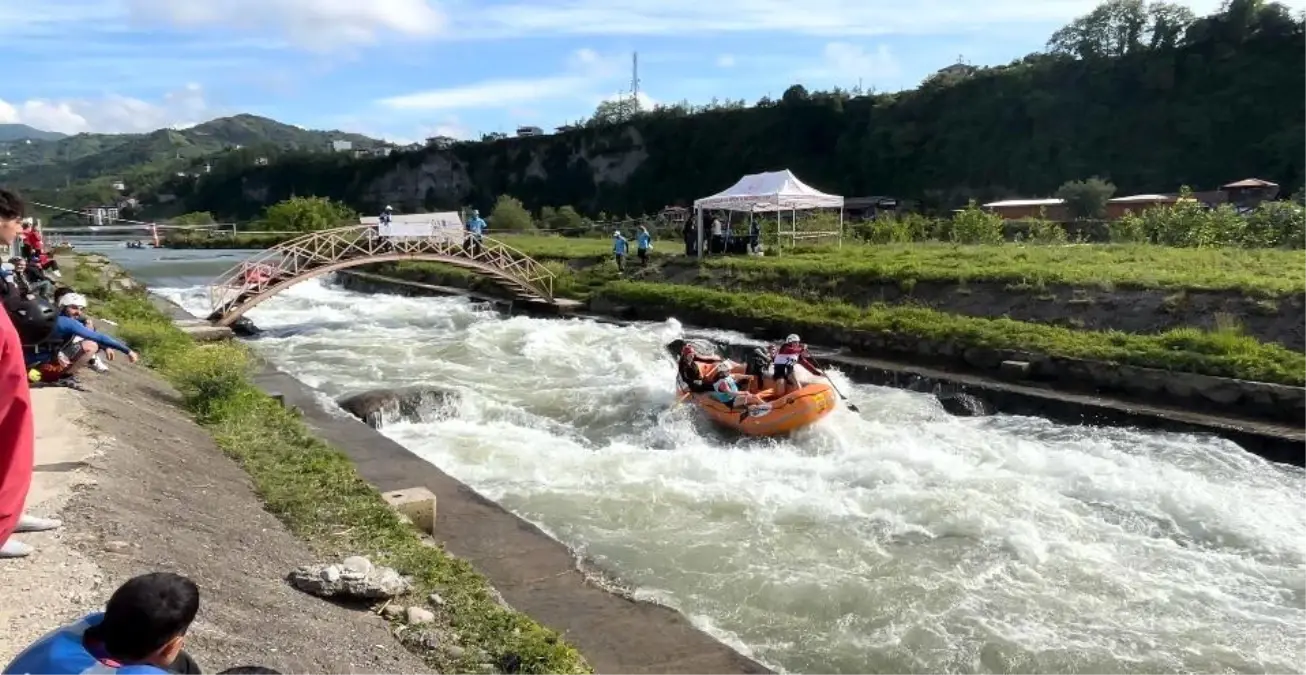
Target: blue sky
407	69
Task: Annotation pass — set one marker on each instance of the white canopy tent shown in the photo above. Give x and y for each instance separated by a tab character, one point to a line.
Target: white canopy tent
770	192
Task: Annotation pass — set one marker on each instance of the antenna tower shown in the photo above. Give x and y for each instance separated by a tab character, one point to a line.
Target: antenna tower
634	80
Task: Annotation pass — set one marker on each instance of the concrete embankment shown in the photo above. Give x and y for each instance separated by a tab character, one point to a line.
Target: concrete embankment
533	572
141	487
1065	390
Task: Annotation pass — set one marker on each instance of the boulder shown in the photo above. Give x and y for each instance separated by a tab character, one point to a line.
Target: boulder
353	579
413	404
959	403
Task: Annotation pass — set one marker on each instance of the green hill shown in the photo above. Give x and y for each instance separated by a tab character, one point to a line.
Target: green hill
143	161
1147	96
21	132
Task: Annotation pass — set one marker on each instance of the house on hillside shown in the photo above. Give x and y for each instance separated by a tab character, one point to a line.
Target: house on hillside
1248	193
525	132
100	215
342	146
867	208
441	142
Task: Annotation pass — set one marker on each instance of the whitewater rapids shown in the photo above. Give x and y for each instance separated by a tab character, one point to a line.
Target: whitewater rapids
898	540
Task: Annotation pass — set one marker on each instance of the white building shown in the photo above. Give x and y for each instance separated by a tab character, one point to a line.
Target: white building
342	146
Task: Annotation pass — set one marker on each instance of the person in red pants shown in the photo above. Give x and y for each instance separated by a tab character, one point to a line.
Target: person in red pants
17	436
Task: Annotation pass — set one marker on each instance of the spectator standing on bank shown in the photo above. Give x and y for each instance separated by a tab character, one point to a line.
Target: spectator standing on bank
755	235
619	249
718	237
475	230
643	244
17	434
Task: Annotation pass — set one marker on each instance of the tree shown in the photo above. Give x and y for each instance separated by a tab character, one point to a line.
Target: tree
615	111
561	219
1120	27
307	214
1086	199
509	215
194	218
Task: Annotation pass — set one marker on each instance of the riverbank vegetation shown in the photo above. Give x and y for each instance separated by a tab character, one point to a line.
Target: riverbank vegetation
1224	352
315	490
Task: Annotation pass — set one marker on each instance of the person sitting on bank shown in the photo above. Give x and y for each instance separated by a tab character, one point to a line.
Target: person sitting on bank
140	632
63	355
725	389
791	352
31	278
688	371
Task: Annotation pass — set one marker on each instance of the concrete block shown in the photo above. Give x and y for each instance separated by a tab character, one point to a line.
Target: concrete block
416	504
1014	370
207	333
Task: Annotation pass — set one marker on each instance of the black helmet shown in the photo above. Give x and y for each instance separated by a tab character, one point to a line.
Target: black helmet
33	317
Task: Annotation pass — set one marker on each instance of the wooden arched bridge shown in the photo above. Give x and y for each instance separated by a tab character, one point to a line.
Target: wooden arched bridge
265	274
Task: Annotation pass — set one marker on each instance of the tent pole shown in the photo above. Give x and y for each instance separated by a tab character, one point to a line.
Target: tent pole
698	219
840	226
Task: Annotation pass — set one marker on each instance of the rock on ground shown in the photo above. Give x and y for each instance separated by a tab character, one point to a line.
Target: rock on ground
166	498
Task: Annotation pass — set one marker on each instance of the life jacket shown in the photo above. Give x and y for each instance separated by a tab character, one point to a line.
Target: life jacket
725	389
62	652
789	353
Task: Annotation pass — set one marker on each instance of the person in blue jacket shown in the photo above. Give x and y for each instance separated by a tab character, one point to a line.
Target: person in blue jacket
643	244
72	345
620	246
475	230
140	632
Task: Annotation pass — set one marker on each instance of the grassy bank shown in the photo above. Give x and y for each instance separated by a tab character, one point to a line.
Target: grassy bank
1225	353
1255	272
315	490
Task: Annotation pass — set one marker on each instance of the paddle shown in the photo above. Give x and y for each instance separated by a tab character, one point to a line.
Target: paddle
851	406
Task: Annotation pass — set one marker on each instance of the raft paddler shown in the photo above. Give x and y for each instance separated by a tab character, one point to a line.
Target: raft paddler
687	368
725	388
791	352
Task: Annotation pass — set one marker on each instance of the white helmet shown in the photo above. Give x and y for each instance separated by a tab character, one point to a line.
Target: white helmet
72	300
793	337
723	368
617	233
389	208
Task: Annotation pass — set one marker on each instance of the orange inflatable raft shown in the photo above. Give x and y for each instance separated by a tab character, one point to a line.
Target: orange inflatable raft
778	416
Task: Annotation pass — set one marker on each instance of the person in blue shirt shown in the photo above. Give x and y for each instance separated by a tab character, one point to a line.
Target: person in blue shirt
386	215
64	353
619	249
475	230
140	632
643	244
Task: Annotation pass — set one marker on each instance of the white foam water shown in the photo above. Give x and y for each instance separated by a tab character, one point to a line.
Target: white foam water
900	539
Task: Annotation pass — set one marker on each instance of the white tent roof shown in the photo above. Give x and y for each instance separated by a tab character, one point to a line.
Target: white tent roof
770	191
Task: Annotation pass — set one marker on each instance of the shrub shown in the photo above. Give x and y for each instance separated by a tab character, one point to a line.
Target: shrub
973	225
509	215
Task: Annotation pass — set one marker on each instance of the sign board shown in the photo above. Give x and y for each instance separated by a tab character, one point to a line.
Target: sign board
446	226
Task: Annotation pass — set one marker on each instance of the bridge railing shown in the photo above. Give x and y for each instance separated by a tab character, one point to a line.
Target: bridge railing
323	250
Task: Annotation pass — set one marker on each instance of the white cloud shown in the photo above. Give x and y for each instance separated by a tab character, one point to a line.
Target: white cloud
316	24
586	70
111	114
847	64
725	61
329	24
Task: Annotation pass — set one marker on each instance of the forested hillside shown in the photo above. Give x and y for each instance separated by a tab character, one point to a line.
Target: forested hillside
1142	94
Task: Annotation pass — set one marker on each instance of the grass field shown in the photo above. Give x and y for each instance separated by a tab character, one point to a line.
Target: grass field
1225	352
315	490
1258	272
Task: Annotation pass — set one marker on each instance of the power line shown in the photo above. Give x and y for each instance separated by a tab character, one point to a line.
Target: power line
88	213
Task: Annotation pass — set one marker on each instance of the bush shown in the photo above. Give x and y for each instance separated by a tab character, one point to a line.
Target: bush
1044	231
973	225
509	215
562	219
893	229
308	214
194	218
1086	199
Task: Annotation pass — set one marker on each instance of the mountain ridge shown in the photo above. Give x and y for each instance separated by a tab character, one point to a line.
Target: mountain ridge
10	132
